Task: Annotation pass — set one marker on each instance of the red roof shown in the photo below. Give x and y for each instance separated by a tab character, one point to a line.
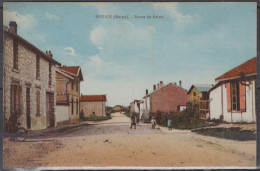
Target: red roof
73	70
93	98
248	68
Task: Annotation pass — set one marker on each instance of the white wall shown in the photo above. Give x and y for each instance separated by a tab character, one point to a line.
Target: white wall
146	107
215	105
62	113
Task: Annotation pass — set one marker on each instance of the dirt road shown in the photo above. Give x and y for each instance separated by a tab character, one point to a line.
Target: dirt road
112	143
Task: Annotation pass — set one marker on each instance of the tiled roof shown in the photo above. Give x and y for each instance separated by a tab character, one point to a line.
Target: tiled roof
93	98
71	69
201	87
162	88
248	68
25	42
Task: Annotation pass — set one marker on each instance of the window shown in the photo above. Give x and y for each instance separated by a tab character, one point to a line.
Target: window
37	67
15	53
50	75
194	93
72	85
38	97
72	106
235	101
77	86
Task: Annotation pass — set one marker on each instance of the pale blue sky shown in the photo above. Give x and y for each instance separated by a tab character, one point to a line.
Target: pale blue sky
195	42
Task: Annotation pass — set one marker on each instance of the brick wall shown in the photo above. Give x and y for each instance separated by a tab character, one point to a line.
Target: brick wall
168	98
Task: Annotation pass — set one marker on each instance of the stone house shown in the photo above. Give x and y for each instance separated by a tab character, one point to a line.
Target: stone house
93	105
164	98
199	98
233	98
68	80
29	82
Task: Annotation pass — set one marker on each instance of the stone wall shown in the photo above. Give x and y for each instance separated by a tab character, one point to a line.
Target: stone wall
25	76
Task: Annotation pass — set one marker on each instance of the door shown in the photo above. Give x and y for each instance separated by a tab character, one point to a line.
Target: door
28	108
50	121
15	100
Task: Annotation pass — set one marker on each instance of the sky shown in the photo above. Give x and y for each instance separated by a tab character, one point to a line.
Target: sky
122	57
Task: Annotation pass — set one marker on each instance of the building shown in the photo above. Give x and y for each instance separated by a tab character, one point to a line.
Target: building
118	108
93	105
199	98
164	98
137	107
29	82
68	80
233	98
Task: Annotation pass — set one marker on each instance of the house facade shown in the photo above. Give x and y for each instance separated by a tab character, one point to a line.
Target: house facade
137	107
68	80
199	98
29	82
233	98
93	105
164	98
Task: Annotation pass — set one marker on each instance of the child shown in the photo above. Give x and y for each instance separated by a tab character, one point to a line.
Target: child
153	121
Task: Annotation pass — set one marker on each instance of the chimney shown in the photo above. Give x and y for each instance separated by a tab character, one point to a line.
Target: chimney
146	92
180	83
175	83
13	27
161	84
49	53
157	86
154	87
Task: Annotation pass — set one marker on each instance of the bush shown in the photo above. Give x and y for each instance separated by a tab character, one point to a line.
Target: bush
186	119
127	114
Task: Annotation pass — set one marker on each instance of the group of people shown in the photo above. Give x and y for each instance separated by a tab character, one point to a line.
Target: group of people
135	120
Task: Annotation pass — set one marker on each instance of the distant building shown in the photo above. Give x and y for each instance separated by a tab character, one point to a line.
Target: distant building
93	105
199	98
68	80
28	82
233	97
118	108
164	98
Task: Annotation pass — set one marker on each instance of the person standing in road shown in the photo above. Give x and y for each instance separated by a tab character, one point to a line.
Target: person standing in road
133	120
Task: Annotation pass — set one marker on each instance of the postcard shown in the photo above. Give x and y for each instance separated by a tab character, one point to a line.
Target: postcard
129	85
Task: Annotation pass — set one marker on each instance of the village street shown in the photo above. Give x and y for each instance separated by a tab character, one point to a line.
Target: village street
112	143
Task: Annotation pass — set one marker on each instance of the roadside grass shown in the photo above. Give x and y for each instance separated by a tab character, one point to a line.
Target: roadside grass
233	133
97	118
127	114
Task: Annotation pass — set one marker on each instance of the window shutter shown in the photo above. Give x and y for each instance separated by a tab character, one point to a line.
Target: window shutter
228	97
242	93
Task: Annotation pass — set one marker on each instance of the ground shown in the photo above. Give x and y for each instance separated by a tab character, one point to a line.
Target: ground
112	143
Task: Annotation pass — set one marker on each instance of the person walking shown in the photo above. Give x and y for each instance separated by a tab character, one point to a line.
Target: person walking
133	120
